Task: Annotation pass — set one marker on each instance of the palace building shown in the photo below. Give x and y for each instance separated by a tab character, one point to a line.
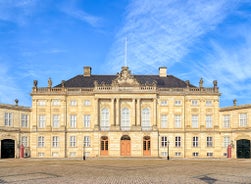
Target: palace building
125	115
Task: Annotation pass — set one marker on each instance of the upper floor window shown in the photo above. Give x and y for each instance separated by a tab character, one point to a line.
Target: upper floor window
125	118
177	141
87	121
73	121
194	102
8	119
41	121
55	121
209	122
24	120
195	121
55	141
177	121
146	118
55	102
209	141
24	141
87	103
243	119
163	121
226	121
177	102
163	102
164	141
209	103
41	102
73	103
40	142
195	141
105	118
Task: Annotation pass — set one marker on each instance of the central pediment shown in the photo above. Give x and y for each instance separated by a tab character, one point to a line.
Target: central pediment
125	78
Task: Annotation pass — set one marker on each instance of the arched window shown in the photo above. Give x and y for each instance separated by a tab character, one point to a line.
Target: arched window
105	119
145	119
125	119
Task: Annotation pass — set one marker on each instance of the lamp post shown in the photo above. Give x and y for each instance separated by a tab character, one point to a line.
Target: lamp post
167	150
84	151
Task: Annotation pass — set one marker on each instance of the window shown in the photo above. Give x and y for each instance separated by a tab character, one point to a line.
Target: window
105	119
177	121
55	141
209	154
125	119
226	141
146	119
163	141
55	102
195	154
40	154
24	141
194	102
41	121
209	103
41	103
226	121
87	103
72	141
87	141
24	120
40	142
195	121
163	103
209	123
209	141
87	121
73	102
164	154
195	141
163	121
73	121
177	154
177	141
55	121
243	119
8	118
177	102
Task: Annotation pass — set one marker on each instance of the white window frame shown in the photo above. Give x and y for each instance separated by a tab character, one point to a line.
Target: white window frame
177	141
24	141
105	119
177	121
163	102
163	141
55	120
72	141
87	120
41	121
194	102
24	120
40	141
125	119
177	103
73	121
226	121
209	121
55	141
41	102
87	102
195	142
195	121
87	141
55	102
226	141
243	119
73	103
8	118
209	103
164	121
209	141
146	118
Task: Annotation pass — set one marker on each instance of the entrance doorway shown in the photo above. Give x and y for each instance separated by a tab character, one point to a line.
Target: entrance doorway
243	148
146	146
7	148
125	145
104	146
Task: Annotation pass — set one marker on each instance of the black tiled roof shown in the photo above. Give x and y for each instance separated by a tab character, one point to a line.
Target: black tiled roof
87	82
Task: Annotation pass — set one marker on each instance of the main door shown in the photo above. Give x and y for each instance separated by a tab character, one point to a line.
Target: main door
147	146
125	146
104	146
7	148
243	148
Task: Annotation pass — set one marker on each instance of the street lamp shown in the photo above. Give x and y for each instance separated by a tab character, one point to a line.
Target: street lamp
84	151
167	150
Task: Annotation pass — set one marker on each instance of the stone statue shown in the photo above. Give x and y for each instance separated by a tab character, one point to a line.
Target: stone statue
201	83
49	83
35	83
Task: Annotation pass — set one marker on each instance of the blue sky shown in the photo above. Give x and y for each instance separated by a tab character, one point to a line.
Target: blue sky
193	39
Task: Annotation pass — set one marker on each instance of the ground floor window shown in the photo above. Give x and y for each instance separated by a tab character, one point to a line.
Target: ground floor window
195	154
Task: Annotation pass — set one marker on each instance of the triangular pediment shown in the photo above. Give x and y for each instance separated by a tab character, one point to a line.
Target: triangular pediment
125	78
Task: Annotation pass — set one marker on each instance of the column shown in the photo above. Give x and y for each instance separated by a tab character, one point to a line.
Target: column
155	111
134	112
113	112
96	112
117	112
138	112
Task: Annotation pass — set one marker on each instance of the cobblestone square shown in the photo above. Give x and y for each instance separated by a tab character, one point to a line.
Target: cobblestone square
124	171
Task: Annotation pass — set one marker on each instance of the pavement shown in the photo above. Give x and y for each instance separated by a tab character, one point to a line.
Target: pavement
131	171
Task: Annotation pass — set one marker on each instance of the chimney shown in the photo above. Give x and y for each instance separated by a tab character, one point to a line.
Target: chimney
162	71
87	71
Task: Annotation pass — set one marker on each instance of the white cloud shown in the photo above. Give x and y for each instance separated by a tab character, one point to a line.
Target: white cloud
162	32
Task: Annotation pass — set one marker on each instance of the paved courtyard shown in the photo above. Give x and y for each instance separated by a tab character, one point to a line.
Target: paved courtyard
124	171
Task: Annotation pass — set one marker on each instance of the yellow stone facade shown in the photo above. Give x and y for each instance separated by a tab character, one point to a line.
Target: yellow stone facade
125	118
